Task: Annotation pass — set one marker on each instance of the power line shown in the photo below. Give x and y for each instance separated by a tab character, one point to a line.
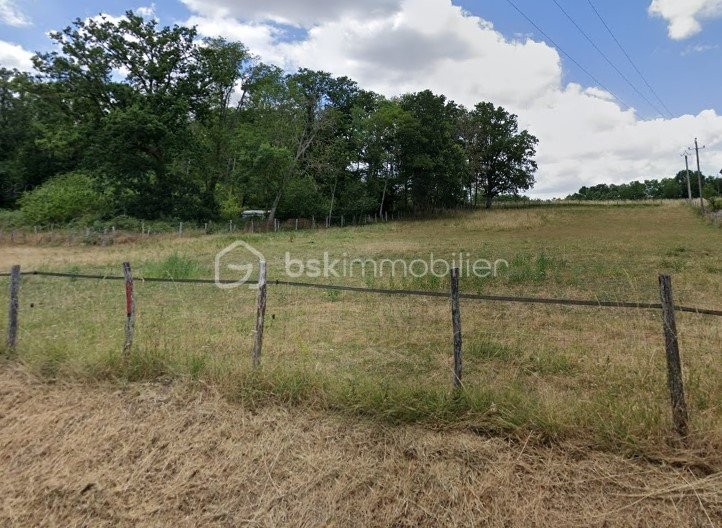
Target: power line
606	58
641	75
540	30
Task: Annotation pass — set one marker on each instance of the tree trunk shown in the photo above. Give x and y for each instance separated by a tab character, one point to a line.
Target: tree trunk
487	201
383	197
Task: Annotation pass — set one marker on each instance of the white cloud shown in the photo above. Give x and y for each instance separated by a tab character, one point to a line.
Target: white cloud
699	48
14	56
11	15
146	11
585	137
306	13
684	16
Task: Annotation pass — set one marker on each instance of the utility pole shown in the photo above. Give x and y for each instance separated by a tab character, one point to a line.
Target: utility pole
689	185
699	175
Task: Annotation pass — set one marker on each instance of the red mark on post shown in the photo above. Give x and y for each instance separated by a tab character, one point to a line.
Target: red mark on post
129	298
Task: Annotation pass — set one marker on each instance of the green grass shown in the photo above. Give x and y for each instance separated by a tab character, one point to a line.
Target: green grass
565	373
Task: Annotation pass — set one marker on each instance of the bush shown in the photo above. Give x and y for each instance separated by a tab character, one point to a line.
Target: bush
62	199
301	199
11	219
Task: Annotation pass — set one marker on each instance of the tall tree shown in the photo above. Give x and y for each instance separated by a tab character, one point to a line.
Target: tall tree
501	158
432	158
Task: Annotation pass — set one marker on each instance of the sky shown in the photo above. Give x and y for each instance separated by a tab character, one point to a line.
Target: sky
603	112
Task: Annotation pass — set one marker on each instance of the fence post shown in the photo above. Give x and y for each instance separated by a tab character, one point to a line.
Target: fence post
456	324
130	309
674	364
260	314
13	308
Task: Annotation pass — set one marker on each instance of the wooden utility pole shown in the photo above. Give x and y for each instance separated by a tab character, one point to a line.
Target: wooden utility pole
689	185
699	175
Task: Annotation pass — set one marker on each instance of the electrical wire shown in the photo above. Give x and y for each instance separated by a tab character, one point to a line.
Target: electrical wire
606	58
624	51
561	50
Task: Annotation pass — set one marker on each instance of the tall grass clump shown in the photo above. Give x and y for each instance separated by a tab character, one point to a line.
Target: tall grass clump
175	266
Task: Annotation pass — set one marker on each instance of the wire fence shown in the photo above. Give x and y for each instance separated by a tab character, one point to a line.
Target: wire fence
383	291
666	307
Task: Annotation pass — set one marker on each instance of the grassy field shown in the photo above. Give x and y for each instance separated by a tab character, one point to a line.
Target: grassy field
591	376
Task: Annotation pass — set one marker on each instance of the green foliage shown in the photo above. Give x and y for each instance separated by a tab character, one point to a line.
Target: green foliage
62	199
501	158
11	219
147	110
664	189
302	199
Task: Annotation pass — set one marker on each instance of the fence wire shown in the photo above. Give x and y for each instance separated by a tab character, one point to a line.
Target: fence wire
382	291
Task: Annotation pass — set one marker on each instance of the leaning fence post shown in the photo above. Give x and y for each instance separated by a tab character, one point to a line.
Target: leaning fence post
260	314
456	324
674	364
13	308
130	309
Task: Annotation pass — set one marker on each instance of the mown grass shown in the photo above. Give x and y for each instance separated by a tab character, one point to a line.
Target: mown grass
596	375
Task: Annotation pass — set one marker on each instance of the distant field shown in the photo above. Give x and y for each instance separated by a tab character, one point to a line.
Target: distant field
586	375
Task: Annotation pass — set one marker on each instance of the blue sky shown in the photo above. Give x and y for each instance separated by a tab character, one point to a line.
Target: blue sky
480	50
686	80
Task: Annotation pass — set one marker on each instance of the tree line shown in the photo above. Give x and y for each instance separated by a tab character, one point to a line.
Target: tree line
665	188
127	117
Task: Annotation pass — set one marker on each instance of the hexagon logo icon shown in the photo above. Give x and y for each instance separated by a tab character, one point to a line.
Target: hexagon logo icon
245	267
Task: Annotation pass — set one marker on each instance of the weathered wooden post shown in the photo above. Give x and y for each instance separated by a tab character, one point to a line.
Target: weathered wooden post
130	309
13	308
260	314
456	324
674	363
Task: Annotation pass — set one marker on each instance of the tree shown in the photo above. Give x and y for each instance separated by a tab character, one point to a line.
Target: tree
129	90
501	158
431	157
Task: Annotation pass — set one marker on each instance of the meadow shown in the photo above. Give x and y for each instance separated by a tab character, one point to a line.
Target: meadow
586	375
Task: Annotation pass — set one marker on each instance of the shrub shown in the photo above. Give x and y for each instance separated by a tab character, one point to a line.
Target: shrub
11	219
62	199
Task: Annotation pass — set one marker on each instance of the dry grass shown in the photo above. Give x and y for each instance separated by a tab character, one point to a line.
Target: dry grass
162	455
589	376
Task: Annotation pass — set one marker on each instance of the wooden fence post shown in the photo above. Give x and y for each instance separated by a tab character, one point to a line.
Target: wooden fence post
260	314
456	324
130	309
674	364
13	308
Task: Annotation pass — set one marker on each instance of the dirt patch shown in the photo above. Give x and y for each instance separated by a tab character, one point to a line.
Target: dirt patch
155	455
